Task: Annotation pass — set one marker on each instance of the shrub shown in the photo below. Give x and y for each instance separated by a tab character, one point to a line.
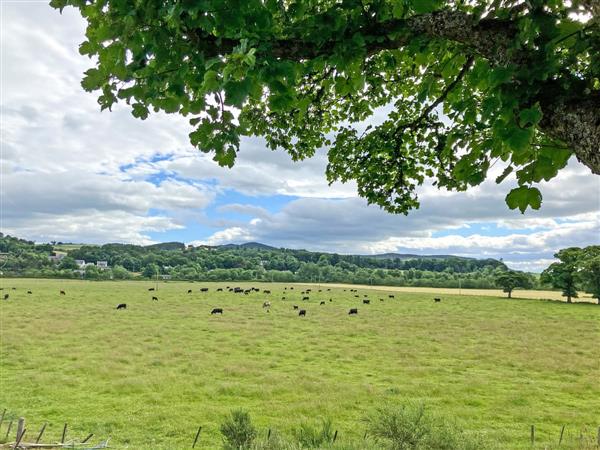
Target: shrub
310	436
410	427
238	431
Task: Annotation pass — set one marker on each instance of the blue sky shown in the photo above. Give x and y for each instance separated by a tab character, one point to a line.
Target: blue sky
72	173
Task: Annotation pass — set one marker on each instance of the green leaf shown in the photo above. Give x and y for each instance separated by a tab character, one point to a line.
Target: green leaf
524	196
211	82
530	116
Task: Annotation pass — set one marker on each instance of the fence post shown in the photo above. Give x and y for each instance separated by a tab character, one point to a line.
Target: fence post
532	434
8	431
197	435
62	439
562	430
20	427
41	432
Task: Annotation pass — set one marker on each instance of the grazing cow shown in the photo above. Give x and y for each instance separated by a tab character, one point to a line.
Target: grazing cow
302	312
285	288
322	303
353	311
357	296
220	290
150	289
203	289
14	289
302	292
282	298
328	289
29	292
216	311
6	296
266	304
390	296
305	298
380	299
295	306
330	300
266	291
366	302
437	300
154	298
189	291
292	288
63	292
247	292
122	306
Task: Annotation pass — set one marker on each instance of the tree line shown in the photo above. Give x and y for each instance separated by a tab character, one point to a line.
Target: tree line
577	269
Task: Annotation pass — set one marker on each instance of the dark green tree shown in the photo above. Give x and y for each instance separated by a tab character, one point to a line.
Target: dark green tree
563	274
465	84
509	280
589	270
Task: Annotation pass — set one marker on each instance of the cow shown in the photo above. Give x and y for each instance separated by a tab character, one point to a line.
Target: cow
220	290
305	298
302	312
203	289
302	292
380	299
292	288
437	300
266	304
390	296
322	303
189	291
295	306
29	292
266	291
247	292
154	298
330	299
282	298
328	289
356	296
62	292
216	311
320	290
14	289
353	311
6	296
285	288
366	302
122	306
150	289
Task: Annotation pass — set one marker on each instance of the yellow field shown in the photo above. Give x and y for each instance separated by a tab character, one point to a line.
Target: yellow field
540	295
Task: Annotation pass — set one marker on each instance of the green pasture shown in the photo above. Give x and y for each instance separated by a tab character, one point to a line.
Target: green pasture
150	375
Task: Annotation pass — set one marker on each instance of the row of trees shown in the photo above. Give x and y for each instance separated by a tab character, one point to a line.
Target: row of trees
577	269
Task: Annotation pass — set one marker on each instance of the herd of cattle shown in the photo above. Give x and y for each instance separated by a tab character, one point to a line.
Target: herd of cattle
266	304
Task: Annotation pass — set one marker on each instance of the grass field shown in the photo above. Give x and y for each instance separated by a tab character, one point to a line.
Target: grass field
150	375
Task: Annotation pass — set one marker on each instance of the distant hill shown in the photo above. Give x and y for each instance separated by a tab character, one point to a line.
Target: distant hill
167	246
248	245
411	256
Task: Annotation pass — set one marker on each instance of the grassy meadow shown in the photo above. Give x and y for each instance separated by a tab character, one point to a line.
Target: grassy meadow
150	375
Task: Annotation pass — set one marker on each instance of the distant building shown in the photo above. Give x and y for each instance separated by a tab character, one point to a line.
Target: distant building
102	265
165	277
80	263
56	258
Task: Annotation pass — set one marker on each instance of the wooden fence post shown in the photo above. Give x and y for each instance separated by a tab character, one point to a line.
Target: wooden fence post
562	430
335	436
19	437
197	435
37	441
532	434
20	427
62	440
8	431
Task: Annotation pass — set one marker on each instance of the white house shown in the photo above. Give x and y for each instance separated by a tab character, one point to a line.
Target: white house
102	265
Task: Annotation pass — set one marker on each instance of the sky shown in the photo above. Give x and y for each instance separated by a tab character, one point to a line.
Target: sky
71	173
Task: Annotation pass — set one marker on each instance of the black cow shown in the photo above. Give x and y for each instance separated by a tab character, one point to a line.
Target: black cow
295	306
305	298
322	303
437	300
61	292
285	288
150	289
217	311
292	288
6	296
380	299
302	312
328	289
29	292
356	296
220	290
330	300
390	296
121	306
203	289
266	291
189	291
282	298
353	311
155	298
366	302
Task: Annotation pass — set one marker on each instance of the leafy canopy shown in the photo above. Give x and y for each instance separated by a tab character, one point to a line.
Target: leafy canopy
465	84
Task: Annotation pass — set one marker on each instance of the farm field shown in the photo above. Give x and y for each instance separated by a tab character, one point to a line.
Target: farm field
149	375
